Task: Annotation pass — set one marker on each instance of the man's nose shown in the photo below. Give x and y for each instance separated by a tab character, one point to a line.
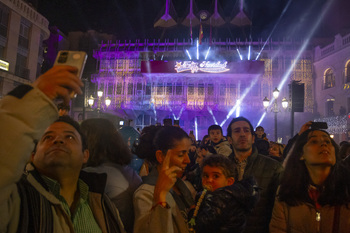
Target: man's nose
187	158
58	140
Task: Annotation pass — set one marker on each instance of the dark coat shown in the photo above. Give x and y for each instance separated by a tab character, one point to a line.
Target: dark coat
267	173
225	210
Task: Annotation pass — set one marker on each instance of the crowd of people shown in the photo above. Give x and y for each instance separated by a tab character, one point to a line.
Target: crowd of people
65	176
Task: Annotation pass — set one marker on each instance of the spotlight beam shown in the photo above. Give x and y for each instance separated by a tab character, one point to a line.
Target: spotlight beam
302	49
274	27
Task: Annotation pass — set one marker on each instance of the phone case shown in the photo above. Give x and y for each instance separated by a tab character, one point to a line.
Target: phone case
72	58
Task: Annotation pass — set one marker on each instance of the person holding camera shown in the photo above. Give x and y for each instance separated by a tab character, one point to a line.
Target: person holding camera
52	194
314	191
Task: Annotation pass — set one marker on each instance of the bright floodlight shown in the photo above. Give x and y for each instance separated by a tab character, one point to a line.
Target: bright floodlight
275	93
266	102
188	54
284	103
99	94
107	102
91	101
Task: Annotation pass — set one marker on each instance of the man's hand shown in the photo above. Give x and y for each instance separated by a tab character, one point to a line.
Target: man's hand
59	82
166	179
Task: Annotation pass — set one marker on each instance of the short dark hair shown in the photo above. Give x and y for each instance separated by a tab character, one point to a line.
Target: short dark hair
68	120
215	127
259	127
221	161
229	131
105	143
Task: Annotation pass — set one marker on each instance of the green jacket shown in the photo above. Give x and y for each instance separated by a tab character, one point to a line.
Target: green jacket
267	173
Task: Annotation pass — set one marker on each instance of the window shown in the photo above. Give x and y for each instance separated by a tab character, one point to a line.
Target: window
222	89
347	72
130	88
148	89
329	79
275	63
21	67
330	107
4	19
160	89
119	88
200	89
210	89
139	86
233	89
178	89
23	40
169	88
190	90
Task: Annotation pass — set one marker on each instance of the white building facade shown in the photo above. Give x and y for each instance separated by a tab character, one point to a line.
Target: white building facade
332	85
22	31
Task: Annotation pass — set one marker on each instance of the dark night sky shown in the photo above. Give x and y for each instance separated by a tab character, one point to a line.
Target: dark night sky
133	19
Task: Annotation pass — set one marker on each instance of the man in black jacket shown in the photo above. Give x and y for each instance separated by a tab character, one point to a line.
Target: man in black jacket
249	162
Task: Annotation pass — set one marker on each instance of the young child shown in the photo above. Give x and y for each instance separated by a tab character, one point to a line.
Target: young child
218	142
223	205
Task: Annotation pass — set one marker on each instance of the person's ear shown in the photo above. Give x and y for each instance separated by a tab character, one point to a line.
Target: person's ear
32	157
230	181
229	139
86	155
302	158
159	156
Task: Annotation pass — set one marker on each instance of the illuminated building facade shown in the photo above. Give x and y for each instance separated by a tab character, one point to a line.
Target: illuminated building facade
141	80
332	85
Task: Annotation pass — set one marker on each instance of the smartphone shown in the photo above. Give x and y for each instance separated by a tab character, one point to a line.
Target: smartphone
319	125
72	58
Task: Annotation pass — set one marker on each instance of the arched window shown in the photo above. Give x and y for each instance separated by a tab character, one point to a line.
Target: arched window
347	72
329	79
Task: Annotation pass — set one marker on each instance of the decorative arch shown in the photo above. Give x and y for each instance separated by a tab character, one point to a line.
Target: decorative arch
329	78
347	71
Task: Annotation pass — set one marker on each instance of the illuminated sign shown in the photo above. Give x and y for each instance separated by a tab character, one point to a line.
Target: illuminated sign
205	66
4	65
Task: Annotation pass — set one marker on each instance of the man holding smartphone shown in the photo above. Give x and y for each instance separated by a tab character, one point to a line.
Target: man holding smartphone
52	195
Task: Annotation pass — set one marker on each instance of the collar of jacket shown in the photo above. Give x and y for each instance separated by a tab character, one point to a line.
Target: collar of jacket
95	181
250	158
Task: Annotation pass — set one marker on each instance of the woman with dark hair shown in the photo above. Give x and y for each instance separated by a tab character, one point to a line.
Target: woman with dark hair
163	200
145	149
110	154
314	190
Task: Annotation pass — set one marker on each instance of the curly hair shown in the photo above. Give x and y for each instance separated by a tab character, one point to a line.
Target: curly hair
295	180
105	143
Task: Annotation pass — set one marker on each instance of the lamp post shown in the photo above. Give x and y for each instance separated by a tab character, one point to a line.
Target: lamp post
107	102
275	110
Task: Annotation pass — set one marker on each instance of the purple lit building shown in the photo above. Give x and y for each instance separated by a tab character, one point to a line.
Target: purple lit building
200	85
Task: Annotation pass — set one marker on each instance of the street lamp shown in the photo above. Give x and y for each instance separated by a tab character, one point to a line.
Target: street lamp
91	101
275	110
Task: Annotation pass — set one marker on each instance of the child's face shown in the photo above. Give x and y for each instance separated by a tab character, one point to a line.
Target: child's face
214	178
215	135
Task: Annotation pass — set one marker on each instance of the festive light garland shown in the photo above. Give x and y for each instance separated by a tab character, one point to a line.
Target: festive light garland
336	124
